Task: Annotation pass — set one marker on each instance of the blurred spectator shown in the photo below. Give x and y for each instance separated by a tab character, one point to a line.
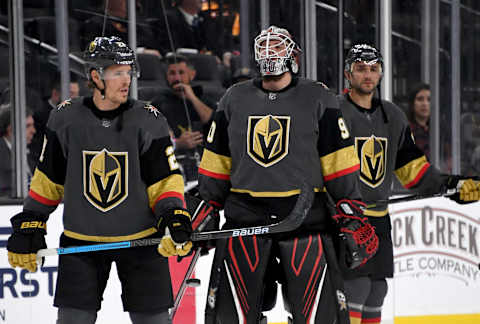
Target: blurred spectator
190	28
6	133
116	24
42	111
186	111
419	116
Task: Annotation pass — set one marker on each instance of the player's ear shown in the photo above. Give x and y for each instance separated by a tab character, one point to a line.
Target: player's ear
347	75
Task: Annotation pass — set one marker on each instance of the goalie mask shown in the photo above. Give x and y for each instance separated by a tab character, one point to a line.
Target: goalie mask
275	51
363	53
105	51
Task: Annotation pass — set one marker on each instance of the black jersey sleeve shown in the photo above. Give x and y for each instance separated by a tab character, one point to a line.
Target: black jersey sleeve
339	162
412	167
46	187
159	168
215	167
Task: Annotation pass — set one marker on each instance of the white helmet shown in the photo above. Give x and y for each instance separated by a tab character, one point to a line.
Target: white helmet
272	59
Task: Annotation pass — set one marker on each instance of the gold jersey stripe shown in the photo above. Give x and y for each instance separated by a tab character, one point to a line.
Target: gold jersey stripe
272	194
171	183
46	188
106	239
216	163
375	213
340	160
412	172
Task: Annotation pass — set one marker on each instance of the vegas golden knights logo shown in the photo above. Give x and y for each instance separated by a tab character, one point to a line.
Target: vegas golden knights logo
372	152
267	138
105	178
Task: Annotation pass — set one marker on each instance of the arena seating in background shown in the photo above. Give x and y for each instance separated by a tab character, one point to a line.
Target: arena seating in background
43	29
152	70
152	76
35	8
207	69
147	93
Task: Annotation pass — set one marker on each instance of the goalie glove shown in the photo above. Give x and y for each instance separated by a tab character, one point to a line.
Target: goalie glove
467	190
359	243
29	230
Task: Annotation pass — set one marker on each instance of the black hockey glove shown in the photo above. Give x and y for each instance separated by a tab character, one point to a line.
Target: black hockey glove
29	230
359	242
176	225
468	190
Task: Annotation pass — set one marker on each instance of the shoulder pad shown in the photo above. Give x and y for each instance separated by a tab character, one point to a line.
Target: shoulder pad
64	104
152	109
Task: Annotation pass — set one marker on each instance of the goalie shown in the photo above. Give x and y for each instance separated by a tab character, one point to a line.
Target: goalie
266	137
385	146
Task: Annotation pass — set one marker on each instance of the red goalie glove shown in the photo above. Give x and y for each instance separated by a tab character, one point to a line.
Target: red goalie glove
359	241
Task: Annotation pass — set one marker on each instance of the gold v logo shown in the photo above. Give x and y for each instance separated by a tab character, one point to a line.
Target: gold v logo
105	178
268	138
372	152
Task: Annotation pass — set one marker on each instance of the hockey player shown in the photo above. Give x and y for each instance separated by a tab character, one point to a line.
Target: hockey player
110	159
385	147
266	136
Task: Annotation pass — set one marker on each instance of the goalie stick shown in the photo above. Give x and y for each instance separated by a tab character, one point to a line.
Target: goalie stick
290	223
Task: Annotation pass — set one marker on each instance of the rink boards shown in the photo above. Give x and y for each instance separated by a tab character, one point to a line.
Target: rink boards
437	252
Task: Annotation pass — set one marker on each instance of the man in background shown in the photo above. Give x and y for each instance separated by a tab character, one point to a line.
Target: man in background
187	112
6	133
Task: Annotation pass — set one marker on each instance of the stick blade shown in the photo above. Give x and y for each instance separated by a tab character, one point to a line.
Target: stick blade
299	211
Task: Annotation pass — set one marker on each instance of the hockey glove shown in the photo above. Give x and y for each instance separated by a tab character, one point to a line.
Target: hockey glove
358	238
29	230
177	228
468	190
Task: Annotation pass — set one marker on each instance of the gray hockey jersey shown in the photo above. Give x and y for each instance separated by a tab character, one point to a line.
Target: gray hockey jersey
262	145
115	171
385	147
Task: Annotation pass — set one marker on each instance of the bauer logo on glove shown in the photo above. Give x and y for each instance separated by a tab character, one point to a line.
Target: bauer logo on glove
359	243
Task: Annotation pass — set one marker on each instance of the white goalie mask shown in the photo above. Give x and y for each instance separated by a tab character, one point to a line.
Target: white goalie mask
275	51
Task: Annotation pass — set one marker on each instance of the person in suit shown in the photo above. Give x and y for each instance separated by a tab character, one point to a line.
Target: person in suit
6	133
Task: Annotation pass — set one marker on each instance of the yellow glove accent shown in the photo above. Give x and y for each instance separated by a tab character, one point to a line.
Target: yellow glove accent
168	247
470	190
24	261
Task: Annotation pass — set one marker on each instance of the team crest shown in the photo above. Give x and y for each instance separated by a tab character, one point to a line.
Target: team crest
105	178
372	152
268	138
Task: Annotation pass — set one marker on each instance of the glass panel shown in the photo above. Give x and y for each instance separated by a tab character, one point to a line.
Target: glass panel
470	89
445	77
6	175
327	45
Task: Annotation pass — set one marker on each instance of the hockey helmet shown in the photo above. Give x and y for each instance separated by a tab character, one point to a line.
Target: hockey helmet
363	53
279	57
105	51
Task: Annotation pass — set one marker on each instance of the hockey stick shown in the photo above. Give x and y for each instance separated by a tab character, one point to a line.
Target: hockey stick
183	286
443	193
290	223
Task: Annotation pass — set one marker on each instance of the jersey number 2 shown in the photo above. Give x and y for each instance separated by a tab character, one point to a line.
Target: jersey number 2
172	161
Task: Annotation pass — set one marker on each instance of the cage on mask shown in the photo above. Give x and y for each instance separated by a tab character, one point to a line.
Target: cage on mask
275	51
